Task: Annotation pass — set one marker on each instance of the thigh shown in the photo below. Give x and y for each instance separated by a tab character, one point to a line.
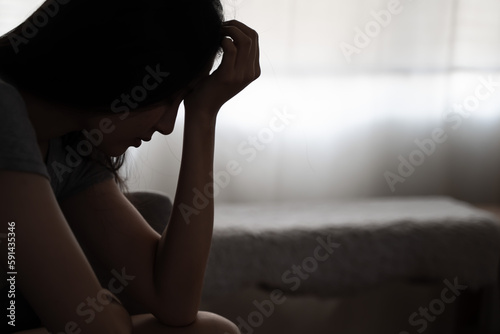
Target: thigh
206	323
25	317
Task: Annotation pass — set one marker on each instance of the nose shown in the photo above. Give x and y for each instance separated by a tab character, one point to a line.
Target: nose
166	123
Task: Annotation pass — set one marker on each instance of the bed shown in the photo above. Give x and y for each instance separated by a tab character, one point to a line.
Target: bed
343	248
373	241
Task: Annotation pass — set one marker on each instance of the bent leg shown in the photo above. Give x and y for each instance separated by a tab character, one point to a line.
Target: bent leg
206	323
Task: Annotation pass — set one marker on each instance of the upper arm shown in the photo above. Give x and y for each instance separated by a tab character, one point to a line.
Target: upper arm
52	270
117	239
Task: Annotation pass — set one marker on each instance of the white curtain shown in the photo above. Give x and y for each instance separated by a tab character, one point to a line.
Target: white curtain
358	104
351	91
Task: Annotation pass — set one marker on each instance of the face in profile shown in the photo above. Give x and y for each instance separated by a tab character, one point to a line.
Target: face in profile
120	131
131	127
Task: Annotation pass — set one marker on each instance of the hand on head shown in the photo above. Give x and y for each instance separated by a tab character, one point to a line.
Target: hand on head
239	67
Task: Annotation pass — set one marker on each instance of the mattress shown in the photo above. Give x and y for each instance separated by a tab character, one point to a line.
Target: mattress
336	248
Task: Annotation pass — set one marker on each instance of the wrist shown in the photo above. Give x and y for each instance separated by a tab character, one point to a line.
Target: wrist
202	117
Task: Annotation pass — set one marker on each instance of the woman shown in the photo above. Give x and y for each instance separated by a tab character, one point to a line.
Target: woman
81	81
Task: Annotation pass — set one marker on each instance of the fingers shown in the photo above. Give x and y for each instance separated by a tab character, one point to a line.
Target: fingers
241	37
243	27
230	53
247	31
243	51
239	67
244	46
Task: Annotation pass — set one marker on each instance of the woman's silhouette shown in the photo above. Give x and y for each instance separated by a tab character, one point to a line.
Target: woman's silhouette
80	82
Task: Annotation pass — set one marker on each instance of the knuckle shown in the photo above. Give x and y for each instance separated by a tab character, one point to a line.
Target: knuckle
242	79
247	41
229	47
249	77
254	35
231	50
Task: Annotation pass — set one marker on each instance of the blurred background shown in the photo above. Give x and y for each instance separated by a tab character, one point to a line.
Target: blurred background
357	98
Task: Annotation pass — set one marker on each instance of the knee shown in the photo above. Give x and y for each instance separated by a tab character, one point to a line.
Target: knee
216	324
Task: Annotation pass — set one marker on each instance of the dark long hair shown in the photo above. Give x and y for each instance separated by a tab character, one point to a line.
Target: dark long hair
86	53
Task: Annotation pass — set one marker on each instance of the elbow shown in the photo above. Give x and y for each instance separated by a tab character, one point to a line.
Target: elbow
124	327
122	323
114	319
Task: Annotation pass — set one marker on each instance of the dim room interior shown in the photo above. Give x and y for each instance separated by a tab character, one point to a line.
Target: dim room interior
357	181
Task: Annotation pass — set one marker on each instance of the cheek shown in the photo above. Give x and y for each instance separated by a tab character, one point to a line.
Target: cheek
115	142
113	134
113	149
119	133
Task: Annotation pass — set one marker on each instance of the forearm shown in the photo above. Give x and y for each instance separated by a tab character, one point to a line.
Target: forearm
183	249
